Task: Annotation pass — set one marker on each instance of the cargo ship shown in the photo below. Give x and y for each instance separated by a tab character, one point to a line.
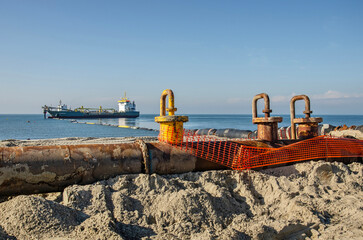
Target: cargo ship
126	109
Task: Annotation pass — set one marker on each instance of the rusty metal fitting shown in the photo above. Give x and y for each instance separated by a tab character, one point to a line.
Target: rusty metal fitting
266	126
267	109
308	126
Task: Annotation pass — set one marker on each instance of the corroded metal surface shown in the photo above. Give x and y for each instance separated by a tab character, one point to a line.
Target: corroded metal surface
166	159
308	126
51	168
267	126
308	130
267	109
267	131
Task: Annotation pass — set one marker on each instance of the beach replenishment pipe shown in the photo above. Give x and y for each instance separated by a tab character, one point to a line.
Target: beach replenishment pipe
36	169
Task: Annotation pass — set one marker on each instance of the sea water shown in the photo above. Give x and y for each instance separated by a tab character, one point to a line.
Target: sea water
34	126
28	126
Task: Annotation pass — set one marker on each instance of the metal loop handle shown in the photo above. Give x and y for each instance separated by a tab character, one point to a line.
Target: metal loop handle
171	109
267	109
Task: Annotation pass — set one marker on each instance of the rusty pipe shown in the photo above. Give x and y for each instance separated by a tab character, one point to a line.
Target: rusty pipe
171	109
307	111
267	109
35	169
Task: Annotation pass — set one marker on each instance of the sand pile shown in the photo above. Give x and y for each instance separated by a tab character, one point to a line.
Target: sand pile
316	200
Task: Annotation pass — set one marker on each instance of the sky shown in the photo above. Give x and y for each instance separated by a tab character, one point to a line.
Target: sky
214	55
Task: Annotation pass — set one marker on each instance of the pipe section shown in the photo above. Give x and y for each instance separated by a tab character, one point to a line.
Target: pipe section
35	169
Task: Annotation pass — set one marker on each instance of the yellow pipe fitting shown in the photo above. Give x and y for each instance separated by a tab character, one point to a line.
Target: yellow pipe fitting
171	126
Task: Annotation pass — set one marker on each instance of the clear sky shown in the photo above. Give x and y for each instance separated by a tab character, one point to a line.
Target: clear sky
214	55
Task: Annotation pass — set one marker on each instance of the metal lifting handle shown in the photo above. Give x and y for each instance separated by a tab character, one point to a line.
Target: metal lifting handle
307	111
267	109
171	109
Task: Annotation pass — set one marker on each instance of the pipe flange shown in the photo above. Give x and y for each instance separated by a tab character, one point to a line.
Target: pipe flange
262	120
307	120
145	155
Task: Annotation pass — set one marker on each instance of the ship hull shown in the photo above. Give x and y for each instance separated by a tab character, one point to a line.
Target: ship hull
72	114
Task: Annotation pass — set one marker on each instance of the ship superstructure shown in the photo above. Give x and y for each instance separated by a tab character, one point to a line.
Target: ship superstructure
125	105
126	109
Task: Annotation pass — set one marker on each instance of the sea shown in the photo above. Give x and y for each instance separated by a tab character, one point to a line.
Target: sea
34	126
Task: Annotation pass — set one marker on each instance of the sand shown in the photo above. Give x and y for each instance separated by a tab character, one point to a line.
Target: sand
73	141
310	200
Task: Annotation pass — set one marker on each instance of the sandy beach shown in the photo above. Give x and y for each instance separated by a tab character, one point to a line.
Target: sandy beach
310	200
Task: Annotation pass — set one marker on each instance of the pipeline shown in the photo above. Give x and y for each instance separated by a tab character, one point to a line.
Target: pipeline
283	132
226	133
37	169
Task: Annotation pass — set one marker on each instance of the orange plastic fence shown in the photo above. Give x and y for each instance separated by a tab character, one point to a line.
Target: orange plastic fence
236	155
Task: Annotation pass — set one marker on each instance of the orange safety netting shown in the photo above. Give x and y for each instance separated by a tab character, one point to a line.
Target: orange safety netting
237	155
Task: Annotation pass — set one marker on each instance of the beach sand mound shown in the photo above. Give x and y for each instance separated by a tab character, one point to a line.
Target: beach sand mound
316	200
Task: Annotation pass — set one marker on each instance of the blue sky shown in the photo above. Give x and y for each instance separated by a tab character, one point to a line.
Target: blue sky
214	55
